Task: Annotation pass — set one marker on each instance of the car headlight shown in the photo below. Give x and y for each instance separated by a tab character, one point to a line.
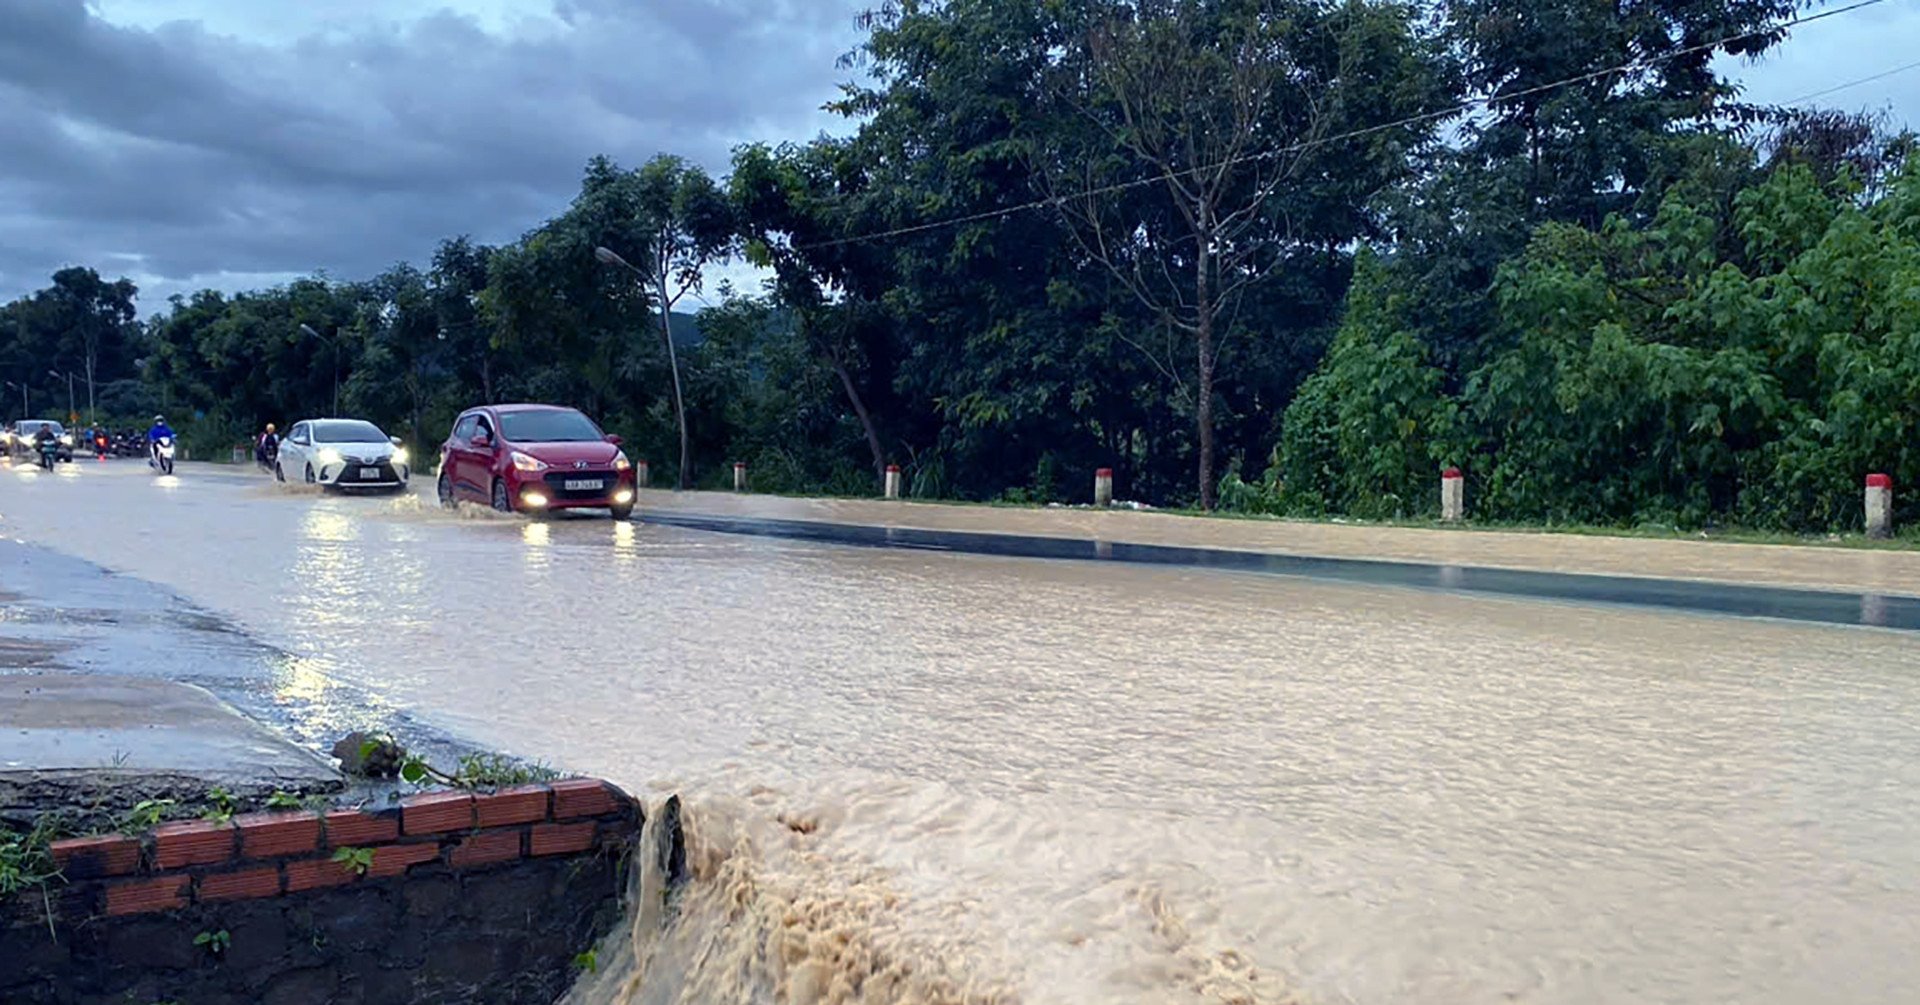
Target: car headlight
523	462
67	440
329	457
620	462
400	456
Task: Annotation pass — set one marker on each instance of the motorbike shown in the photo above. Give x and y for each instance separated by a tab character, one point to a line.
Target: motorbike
49	451
267	454
163	455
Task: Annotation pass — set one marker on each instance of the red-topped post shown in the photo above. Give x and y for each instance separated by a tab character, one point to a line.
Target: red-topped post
640	474
1879	506
739	476
892	483
1453	496
1103	487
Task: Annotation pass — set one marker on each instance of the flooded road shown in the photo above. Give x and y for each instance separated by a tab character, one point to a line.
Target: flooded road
917	776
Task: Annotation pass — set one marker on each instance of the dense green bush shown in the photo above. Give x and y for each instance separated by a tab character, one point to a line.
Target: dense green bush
1745	360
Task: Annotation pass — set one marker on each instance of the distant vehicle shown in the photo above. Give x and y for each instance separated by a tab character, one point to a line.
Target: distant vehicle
21	437
535	458
343	454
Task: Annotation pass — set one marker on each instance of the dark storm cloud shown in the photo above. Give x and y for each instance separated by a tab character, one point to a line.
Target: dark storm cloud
177	152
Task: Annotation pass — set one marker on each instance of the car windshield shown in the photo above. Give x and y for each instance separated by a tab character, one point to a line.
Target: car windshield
33	428
548	426
347	431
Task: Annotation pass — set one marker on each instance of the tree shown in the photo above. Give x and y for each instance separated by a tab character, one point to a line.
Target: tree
83	318
682	225
791	206
1223	108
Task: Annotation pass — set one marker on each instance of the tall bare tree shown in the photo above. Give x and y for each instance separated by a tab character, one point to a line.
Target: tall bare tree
1195	115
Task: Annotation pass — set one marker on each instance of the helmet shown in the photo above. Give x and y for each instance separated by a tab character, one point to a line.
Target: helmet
269	427
159	419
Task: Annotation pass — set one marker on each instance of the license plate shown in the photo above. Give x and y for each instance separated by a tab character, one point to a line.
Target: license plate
585	485
369	474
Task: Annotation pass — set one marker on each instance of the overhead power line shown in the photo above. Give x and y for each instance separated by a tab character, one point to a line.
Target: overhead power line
1411	120
1855	82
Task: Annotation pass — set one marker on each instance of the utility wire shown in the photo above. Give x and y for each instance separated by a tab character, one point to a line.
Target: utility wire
1469	105
1856	82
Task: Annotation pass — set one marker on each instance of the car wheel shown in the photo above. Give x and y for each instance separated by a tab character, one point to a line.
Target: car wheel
310	478
279	473
500	500
445	489
623	512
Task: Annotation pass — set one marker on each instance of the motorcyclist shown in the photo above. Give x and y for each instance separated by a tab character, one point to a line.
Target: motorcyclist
44	444
268	447
157	432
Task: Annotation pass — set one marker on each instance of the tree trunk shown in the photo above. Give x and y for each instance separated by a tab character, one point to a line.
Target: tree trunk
866	421
92	416
486	378
673	363
1203	339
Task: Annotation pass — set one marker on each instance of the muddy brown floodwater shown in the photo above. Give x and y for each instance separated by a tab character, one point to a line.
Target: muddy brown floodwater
938	778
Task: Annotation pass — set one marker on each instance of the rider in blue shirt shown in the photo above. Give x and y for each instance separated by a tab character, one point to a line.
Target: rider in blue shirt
160	430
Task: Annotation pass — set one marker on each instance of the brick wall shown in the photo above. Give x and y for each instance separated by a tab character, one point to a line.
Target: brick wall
554	848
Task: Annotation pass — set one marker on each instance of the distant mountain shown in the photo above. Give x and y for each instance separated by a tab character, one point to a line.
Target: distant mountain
685	328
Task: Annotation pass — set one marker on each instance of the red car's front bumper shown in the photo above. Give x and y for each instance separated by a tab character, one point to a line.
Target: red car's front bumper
556	489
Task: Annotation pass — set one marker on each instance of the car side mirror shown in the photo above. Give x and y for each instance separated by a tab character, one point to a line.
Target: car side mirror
395	440
613	438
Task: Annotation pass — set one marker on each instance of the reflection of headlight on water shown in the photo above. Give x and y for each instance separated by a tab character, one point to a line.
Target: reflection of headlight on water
168	481
536	534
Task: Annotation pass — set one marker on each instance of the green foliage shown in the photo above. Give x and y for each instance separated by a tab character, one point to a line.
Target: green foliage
1368	433
1732	360
354	860
145	815
215	942
283	801
496	770
221	806
588	961
26	857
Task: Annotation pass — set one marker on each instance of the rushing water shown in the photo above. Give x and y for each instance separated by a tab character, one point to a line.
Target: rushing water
936	778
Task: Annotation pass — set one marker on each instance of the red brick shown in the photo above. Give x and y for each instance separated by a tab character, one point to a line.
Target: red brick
359	828
139	896
436	812
486	848
313	873
247	884
267	835
396	859
524	804
562	839
585	797
92	857
195	842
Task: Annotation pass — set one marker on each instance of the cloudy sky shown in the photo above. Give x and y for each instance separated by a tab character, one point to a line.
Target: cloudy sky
238	143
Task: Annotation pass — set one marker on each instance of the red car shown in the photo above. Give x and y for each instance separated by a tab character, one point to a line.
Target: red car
534	458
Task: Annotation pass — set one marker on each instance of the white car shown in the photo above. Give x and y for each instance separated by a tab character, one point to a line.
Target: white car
343	454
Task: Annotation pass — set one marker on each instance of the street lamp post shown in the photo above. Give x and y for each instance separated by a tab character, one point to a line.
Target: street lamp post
333	345
608	256
25	409
72	416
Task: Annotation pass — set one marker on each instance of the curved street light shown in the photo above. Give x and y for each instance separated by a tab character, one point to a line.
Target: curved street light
334	346
608	256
